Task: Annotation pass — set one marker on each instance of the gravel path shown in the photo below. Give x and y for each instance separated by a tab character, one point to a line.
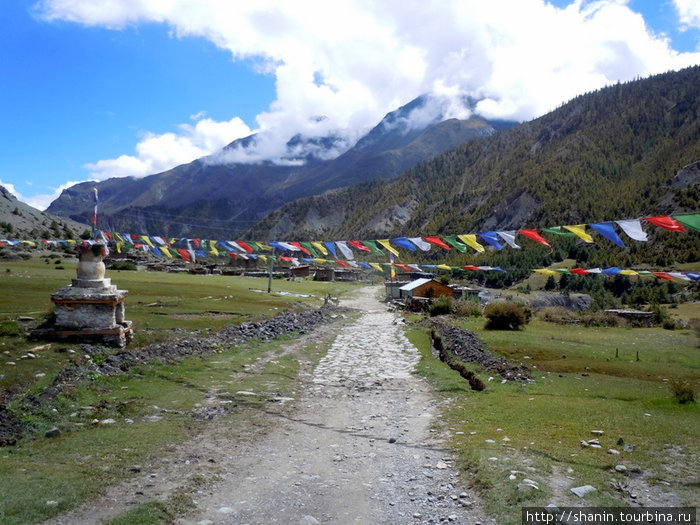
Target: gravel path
359	448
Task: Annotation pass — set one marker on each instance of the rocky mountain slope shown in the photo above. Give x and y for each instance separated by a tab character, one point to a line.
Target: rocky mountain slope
19	221
210	198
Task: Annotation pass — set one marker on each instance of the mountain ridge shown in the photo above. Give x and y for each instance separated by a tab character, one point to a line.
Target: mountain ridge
619	152
203	198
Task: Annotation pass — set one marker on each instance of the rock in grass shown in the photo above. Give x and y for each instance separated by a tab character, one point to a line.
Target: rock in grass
583	490
52	432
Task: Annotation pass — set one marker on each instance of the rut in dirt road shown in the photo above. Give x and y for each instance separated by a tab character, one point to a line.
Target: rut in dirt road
357	449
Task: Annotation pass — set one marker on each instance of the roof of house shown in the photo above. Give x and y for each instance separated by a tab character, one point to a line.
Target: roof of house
414	284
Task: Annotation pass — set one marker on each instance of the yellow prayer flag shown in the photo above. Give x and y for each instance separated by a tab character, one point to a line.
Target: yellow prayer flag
545	271
377	267
580	231
628	272
212	248
444	267
470	239
146	240
320	247
389	247
166	252
263	258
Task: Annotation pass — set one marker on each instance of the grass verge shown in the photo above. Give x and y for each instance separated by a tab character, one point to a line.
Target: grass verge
512	432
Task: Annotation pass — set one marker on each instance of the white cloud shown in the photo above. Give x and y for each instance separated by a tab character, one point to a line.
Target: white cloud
40	201
157	153
352	61
689	13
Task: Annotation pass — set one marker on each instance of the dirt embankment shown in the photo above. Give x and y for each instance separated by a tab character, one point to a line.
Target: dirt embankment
456	346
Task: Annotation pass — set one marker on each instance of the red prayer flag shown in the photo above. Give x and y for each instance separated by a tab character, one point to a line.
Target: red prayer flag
663	275
437	242
532	234
184	254
245	246
579	271
298	245
342	263
359	245
667	222
469	267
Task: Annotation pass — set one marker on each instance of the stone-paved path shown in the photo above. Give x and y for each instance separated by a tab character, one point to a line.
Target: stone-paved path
359	449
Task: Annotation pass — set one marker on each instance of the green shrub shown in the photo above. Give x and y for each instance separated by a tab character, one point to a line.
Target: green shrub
123	265
9	329
466	309
441	306
682	391
598	319
504	316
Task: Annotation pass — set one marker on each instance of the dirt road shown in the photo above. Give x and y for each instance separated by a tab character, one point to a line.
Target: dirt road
358	450
355	448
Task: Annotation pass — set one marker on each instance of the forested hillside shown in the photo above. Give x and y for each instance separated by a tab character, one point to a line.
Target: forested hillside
625	151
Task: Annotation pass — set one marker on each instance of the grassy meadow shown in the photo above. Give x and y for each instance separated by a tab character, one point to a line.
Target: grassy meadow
617	380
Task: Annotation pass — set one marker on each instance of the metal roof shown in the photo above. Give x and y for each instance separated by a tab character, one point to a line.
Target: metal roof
414	284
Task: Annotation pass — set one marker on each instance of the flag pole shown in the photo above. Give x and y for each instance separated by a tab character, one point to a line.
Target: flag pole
94	214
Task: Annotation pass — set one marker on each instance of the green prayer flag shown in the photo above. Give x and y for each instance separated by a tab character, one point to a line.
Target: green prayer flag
690	220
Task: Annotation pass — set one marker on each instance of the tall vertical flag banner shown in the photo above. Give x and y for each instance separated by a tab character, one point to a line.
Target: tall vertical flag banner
392	270
94	213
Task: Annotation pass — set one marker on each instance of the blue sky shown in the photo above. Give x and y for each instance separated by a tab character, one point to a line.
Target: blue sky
104	88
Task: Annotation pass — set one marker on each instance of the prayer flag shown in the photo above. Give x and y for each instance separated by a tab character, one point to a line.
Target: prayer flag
375	249
403	242
580	231
667	222
691	220
492	239
320	247
509	237
533	235
633	229
607	230
424	246
452	241
470	239
347	252
437	242
385	243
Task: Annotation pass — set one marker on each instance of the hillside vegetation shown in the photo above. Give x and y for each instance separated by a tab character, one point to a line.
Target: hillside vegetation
624	151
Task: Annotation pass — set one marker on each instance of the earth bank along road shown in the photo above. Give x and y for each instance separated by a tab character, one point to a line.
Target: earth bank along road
359	448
